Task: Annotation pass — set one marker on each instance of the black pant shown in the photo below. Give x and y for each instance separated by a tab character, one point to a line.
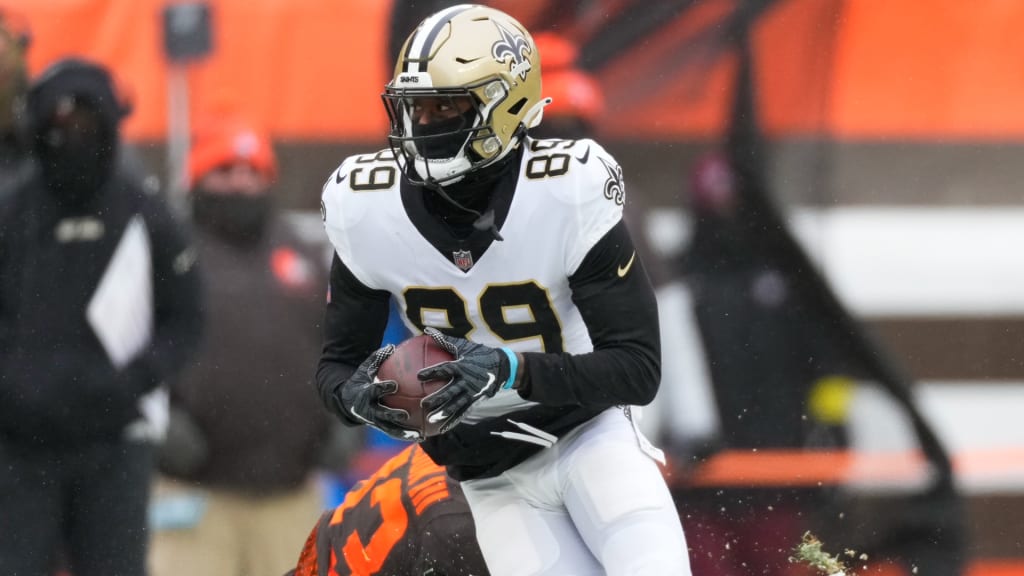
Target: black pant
88	502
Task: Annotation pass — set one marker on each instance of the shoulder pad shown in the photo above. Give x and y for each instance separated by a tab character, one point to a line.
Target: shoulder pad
377	172
586	180
590	170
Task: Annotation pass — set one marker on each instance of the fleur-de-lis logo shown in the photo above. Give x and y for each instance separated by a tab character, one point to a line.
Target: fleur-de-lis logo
512	49
614	187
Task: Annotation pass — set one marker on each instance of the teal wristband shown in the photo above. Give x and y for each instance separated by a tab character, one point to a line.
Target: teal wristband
513	367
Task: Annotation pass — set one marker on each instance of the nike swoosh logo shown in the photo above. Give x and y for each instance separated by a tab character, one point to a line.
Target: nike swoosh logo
586	156
359	416
623	270
338	178
490	380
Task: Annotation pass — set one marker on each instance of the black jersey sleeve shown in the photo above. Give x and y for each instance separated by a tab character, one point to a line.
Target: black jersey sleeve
617	303
354	323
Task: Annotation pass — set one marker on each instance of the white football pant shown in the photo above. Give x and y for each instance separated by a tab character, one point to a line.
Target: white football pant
593	504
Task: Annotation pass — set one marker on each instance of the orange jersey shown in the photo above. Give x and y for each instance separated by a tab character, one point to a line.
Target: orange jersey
407	519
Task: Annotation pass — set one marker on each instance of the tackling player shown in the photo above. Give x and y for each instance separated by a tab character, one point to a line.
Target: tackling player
513	254
408	519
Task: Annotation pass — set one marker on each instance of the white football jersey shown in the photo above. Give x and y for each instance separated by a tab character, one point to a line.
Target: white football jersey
516	293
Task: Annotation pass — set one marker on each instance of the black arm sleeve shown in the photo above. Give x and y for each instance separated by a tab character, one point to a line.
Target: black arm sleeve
177	306
621	315
354	324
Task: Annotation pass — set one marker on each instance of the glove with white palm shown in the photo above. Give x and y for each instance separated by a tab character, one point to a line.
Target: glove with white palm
477	372
360	396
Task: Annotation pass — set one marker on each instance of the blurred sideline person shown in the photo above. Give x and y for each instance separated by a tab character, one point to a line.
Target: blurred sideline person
408	518
13	89
99	305
776	378
15	40
480	231
247	432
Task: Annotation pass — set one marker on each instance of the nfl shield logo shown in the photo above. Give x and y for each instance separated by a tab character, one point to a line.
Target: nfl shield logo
463	259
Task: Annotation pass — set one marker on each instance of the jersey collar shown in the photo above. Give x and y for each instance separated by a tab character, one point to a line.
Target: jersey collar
441	236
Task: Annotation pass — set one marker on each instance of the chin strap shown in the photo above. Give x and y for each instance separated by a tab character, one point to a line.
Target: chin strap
535	114
486	222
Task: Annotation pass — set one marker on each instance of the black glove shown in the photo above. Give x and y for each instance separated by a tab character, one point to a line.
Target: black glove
360	398
477	372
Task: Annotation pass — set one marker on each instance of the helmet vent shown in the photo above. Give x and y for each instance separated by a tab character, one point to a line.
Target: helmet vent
515	108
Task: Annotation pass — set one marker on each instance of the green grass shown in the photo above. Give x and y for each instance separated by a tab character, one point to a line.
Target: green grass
810	552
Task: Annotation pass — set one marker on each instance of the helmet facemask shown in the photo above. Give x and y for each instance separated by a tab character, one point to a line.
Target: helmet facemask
444	134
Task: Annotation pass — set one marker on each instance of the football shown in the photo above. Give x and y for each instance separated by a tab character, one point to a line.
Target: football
402	366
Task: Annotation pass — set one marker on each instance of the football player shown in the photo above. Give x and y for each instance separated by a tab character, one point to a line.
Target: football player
407	519
512	253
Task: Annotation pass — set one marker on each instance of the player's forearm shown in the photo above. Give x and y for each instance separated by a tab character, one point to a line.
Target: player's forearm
342	353
354	322
625	375
621	314
330	375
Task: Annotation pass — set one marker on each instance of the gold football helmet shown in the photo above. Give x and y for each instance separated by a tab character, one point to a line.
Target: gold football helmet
465	89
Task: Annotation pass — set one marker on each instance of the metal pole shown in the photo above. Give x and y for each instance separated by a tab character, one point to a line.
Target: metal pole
177	139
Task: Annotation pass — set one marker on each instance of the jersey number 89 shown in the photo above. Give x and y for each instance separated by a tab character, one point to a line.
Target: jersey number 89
496	302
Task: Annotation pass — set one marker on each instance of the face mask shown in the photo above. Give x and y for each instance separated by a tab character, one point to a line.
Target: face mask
238	218
76	156
75	175
444	138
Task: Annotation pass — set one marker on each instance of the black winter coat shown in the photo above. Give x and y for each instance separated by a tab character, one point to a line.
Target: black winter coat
57	384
